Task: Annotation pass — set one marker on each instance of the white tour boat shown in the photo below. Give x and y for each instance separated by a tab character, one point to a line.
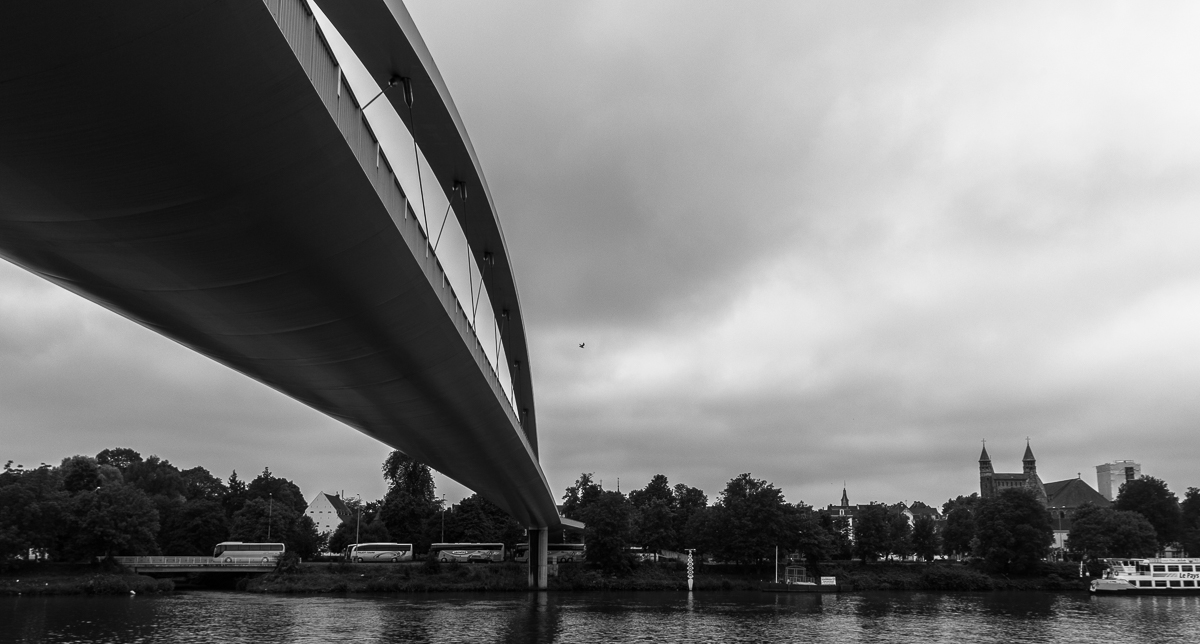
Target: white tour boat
1149	577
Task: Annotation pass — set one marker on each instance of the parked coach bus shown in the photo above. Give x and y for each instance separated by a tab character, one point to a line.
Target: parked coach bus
238	552
556	553
468	552
383	552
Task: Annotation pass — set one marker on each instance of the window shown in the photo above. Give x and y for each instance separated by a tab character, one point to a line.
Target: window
1189	583
1159	568
1185	568
1172	568
1160	583
1175	583
1144	583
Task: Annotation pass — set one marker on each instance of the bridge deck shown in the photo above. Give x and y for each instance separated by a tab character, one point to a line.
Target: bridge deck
182	164
192	564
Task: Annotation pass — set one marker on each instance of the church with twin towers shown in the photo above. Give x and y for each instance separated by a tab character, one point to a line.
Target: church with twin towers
992	483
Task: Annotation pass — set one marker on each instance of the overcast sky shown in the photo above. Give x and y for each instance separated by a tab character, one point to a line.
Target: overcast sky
813	242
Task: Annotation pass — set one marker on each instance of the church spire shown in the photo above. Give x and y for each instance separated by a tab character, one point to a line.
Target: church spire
845	499
1028	460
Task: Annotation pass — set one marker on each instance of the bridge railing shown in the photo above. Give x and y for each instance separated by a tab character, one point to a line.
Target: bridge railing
194	562
300	29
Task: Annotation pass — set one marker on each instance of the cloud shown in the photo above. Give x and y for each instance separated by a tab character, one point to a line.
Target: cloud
814	242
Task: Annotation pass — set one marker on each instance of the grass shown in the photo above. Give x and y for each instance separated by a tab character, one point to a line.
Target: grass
69	579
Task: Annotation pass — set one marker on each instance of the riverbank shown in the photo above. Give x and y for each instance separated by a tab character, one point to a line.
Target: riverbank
416	578
77	579
507	577
324	578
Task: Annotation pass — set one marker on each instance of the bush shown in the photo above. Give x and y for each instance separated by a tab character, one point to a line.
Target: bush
954	578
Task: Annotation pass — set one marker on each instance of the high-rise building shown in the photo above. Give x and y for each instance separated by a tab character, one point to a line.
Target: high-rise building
1110	477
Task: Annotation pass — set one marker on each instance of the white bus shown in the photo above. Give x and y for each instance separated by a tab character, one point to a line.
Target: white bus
556	553
382	552
468	552
238	552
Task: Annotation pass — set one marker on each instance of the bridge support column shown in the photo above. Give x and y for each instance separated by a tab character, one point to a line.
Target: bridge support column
539	540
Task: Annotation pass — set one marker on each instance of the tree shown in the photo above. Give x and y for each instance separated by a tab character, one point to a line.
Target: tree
873	532
653	525
689	501
658	489
1013	531
409	476
194	529
156	477
33	511
477	520
813	542
267	486
1105	532
579	496
200	484
958	532
925	539
119	457
1150	497
901	532
750	521
838	529
1189	524
80	473
607	531
236	498
112	520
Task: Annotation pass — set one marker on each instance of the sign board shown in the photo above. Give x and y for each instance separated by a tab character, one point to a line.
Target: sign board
828	581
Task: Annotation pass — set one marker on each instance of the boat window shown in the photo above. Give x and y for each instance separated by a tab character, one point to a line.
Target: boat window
1159	568
1185	568
1175	583
1160	583
1145	583
1172	568
1189	583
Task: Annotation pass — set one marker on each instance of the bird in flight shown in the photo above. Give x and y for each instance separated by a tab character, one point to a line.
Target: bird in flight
581	344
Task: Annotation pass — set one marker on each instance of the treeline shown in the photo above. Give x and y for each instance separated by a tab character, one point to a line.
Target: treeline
1011	533
118	503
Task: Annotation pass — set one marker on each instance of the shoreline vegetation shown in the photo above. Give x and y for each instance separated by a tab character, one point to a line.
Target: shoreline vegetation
337	578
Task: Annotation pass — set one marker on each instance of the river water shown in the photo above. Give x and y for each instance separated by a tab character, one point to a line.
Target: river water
205	616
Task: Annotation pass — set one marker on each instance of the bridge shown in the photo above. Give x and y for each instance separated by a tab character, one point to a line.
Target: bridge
204	168
159	564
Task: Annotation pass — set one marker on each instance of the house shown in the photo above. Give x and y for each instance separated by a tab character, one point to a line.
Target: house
328	511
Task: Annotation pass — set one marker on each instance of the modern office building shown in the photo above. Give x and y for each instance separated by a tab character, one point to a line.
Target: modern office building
1110	477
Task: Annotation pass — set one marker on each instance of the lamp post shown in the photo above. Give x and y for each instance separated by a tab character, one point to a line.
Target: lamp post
270	512
443	518
358	521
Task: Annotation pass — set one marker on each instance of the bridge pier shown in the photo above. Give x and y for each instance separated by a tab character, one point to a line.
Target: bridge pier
539	540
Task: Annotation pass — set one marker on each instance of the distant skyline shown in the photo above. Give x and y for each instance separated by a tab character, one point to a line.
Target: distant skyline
815	242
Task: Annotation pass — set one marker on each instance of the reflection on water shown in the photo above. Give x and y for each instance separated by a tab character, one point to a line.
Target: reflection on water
603	617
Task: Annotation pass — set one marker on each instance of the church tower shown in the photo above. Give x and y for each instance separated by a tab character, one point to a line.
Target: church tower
845	499
986	483
1032	480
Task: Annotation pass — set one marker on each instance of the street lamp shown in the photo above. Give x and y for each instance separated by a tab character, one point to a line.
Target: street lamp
443	518
270	511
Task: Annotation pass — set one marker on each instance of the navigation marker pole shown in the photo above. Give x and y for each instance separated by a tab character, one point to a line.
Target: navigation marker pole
690	568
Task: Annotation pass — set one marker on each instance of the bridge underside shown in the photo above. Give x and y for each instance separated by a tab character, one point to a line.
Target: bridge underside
172	162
